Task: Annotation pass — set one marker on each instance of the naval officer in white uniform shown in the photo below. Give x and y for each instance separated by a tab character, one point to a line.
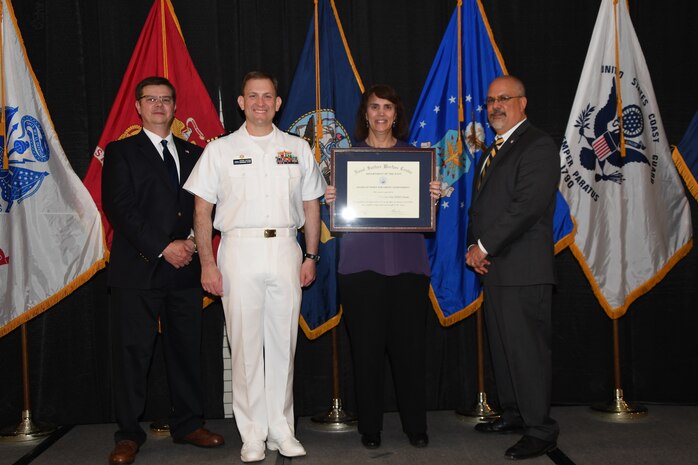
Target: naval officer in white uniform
265	185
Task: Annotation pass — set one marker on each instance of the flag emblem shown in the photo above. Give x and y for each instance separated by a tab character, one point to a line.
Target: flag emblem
334	135
185	130
604	146
474	135
26	144
601	153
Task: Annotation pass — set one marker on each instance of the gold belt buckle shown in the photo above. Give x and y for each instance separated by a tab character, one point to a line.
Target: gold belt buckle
269	233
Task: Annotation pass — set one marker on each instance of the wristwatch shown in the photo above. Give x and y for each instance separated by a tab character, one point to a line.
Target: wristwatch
313	257
193	239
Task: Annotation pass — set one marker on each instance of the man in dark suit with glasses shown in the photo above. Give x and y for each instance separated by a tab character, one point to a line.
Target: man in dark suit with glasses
154	272
510	245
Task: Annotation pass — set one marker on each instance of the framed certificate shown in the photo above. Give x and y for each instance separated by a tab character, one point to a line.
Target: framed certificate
384	190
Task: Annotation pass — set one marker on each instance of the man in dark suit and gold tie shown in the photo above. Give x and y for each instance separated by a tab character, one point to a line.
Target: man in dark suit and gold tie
510	245
153	272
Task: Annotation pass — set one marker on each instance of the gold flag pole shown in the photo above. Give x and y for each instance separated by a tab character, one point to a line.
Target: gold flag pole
461	112
619	98
481	411
5	157
617	408
318	109
336	418
26	430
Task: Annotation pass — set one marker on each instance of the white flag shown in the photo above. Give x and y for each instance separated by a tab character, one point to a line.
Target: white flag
633	218
51	238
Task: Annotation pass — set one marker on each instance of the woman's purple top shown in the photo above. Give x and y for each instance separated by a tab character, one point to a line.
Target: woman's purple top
387	253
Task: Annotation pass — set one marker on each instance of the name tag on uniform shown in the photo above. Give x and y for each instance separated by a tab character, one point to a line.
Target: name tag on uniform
241	160
286	158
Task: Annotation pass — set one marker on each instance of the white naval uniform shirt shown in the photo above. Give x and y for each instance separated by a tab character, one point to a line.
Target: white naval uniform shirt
256	188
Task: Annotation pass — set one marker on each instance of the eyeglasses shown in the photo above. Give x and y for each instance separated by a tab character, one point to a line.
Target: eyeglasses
151	99
501	99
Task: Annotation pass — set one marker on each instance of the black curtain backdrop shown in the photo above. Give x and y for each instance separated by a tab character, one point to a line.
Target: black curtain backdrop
80	49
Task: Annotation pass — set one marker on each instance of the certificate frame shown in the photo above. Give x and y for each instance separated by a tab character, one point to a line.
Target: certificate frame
413	211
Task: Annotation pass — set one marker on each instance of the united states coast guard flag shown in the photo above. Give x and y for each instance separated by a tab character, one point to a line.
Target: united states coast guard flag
321	108
459	142
51	237
160	51
685	157
633	218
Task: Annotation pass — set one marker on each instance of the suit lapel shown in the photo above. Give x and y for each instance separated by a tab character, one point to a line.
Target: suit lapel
478	170
186	160
505	149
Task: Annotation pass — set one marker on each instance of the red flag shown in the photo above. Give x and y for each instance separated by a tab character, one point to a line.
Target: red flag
160	51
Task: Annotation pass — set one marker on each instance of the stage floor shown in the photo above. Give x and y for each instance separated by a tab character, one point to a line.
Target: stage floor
667	435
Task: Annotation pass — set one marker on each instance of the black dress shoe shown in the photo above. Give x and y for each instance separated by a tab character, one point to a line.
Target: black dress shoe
499	426
529	447
418	440
371	440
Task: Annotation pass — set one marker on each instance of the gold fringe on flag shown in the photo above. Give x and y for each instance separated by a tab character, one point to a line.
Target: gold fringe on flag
685	172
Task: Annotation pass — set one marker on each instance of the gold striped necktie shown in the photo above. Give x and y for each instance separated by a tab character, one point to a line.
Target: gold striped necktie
498	141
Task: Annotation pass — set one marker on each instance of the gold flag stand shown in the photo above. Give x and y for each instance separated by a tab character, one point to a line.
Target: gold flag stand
26	430
336	419
481	411
161	426
617	408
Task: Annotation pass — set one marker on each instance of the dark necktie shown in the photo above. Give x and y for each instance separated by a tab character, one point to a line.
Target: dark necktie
498	141
170	164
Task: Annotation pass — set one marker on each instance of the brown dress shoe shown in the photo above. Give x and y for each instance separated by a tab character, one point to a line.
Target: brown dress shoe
124	452
201	437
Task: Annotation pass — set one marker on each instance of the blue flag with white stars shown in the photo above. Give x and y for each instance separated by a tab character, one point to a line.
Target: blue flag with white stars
455	288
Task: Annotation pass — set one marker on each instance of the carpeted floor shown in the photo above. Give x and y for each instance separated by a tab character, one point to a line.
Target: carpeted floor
668	435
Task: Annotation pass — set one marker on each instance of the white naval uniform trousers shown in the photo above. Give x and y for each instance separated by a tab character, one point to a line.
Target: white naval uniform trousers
256	190
262	299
